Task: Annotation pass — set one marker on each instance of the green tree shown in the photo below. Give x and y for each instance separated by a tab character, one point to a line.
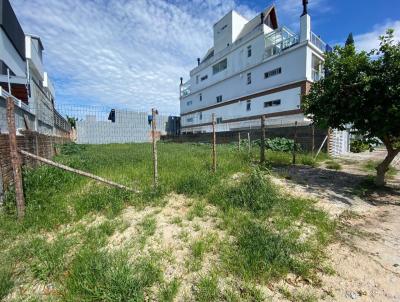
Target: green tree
362	90
350	39
72	121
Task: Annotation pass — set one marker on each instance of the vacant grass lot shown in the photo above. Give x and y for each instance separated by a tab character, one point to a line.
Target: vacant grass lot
200	236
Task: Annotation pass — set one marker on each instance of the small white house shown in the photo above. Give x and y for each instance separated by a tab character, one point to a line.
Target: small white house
255	67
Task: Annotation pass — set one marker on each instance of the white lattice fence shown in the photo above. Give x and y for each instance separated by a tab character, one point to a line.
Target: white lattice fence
338	142
396	161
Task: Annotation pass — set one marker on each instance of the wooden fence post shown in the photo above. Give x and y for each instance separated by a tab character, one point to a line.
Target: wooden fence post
248	141
155	159
15	159
239	141
214	145
313	139
262	152
294	143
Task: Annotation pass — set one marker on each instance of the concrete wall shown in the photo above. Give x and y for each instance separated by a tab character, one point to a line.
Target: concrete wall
10	56
129	127
19	118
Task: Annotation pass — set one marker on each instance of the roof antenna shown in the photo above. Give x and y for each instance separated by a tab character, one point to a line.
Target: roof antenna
305	8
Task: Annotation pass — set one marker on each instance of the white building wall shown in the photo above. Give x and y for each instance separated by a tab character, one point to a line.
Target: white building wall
10	56
293	67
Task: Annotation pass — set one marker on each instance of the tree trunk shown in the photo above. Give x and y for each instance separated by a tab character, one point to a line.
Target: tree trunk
383	167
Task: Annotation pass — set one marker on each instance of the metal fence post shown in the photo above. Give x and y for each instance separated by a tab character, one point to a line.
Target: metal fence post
15	159
214	145
262	152
155	159
239	141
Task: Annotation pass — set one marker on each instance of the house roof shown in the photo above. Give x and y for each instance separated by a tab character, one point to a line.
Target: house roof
270	19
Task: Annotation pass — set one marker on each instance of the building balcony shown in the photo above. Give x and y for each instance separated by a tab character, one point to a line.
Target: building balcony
279	40
47	83
34	54
317	41
185	89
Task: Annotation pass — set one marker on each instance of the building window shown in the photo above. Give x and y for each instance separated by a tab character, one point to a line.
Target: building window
220	66
189	103
200	116
272	103
200	97
248	105
249	78
190	120
3	69
249	51
197	79
272	73
219	99
204	78
219	120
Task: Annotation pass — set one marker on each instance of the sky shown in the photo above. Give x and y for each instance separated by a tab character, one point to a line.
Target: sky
131	53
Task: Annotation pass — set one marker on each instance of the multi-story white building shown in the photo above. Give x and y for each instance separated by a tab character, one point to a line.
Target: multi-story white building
255	68
23	76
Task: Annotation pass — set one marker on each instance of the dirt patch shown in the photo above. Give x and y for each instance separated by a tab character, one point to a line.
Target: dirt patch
366	259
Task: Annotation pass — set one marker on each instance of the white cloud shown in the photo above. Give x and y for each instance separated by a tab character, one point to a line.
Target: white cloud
370	40
122	53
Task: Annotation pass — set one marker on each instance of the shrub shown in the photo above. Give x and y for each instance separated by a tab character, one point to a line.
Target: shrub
358	146
279	144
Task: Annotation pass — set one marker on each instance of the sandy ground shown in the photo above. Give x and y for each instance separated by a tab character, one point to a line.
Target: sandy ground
366	259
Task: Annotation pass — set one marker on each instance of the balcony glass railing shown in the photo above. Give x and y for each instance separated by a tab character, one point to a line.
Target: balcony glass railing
317	41
279	40
185	89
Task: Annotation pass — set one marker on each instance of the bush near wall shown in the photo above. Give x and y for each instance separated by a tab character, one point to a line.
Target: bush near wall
358	146
280	144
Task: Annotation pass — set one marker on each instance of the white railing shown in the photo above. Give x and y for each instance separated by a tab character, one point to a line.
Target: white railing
317	41
4	94
317	75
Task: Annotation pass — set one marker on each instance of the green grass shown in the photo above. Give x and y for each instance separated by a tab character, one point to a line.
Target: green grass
169	291
333	165
147	228
207	289
101	276
370	166
198	209
269	251
198	250
264	224
6	280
